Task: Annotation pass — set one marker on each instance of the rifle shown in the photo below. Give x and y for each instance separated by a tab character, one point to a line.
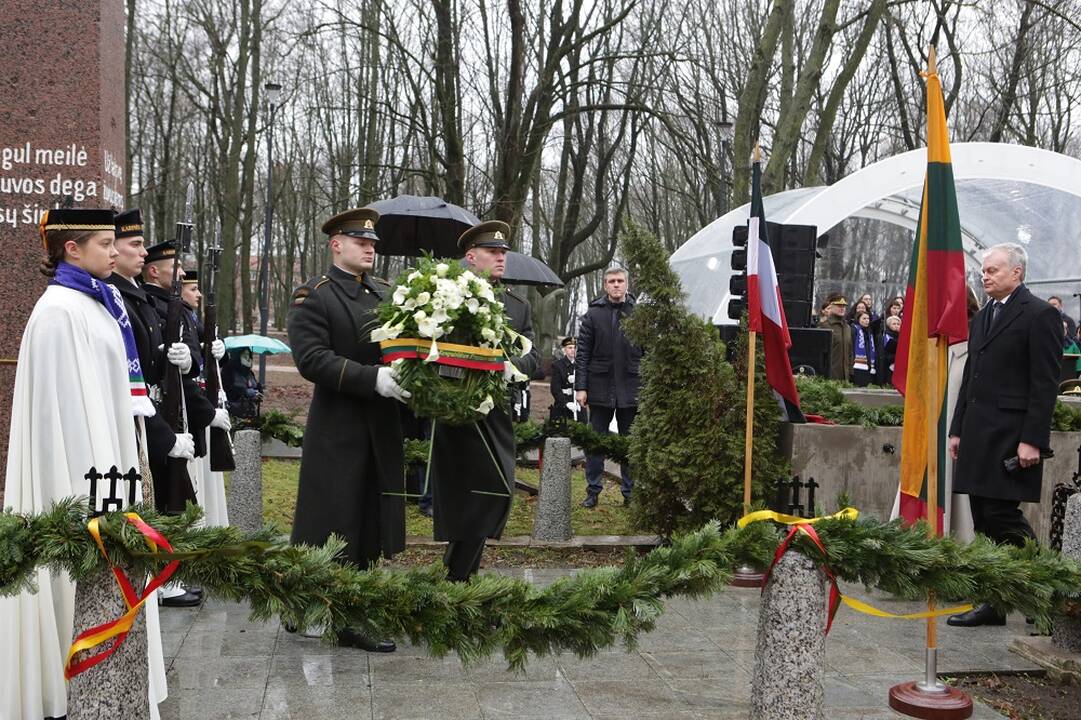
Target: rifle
173	405
221	444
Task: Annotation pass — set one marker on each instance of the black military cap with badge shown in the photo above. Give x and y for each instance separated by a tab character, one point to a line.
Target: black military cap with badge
161	251
490	234
129	223
75	219
570	340
358	223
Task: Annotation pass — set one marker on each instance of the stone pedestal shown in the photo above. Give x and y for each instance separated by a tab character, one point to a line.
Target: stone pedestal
790	658
115	689
1067	630
246	483
62	140
552	521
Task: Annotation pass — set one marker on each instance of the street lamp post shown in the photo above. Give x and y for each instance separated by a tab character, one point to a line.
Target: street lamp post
273	91
727	133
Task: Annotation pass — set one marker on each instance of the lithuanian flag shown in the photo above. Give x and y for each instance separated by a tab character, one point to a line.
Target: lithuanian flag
935	316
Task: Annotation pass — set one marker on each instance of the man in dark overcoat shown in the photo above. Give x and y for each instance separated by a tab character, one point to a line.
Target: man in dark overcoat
606	374
1004	406
473	465
352	480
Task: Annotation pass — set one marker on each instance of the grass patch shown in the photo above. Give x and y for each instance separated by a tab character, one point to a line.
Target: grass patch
608	518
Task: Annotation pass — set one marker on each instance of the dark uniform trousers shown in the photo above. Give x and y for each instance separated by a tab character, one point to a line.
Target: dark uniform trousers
472	467
1000	520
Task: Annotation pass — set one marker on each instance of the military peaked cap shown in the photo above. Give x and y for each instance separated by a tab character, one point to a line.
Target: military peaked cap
570	340
358	223
129	223
191	276
490	234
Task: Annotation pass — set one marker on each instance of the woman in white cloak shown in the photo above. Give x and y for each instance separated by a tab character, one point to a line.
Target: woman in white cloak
76	405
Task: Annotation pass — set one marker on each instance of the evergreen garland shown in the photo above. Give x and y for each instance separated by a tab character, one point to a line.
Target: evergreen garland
581	613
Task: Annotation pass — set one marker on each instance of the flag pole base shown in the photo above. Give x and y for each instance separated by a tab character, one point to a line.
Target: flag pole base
747	577
941	702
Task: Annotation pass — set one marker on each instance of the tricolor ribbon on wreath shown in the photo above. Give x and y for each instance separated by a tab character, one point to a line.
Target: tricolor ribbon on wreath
463	356
805	526
118	628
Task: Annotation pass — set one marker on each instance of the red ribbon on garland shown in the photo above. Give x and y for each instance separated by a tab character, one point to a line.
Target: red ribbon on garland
809	531
117	630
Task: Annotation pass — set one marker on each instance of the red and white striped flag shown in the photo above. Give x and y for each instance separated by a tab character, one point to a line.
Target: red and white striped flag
765	313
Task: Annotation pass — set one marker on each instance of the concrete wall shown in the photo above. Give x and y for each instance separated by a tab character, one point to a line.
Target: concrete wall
859	462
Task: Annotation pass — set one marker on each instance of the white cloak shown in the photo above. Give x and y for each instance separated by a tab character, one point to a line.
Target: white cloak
71	411
209	489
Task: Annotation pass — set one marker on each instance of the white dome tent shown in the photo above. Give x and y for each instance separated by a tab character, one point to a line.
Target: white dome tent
1005	193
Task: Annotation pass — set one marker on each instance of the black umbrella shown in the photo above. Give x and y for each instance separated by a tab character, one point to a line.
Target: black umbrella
528	270
412	224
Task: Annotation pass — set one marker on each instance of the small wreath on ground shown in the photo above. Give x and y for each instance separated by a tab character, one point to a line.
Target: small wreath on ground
447	336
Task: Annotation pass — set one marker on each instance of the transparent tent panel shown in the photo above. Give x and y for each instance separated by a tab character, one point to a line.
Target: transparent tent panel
869	250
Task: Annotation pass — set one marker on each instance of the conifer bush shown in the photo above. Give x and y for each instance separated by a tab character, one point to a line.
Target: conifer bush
686	446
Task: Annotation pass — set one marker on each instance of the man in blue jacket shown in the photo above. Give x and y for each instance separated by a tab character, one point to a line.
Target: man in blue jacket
606	373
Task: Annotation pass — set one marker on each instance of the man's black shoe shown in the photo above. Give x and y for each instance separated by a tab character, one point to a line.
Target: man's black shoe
982	614
188	599
590	501
353	639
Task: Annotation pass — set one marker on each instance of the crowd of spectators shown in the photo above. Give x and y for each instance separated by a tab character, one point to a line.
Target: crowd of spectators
864	342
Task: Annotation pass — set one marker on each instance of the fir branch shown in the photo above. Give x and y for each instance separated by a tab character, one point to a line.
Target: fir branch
582	613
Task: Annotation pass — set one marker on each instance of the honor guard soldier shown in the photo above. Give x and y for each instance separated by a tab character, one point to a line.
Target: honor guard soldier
473	467
352	480
146	325
200	412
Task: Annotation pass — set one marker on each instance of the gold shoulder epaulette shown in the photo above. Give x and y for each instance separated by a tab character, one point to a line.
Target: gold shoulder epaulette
322	281
301	294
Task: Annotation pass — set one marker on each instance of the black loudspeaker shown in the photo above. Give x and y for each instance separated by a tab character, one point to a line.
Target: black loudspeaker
797	313
810	348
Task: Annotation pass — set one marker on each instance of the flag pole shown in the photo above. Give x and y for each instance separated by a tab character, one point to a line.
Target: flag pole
747	576
934	408
748	433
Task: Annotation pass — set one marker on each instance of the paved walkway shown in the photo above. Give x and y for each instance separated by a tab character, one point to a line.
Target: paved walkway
695	665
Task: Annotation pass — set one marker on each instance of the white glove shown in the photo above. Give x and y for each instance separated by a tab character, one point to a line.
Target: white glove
179	354
386	384
217	349
184	447
221	420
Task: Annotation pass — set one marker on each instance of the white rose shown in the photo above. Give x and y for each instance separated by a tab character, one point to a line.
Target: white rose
441	269
420	316
424	298
488	334
409	305
468	275
483	311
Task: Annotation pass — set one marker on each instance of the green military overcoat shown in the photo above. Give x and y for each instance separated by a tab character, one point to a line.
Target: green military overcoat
352	481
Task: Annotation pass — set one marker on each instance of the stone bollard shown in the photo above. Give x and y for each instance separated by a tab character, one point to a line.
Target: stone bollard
246	483
790	658
116	688
552	522
1067	630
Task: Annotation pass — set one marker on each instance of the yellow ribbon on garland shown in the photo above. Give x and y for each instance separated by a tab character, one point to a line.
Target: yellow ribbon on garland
849	513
